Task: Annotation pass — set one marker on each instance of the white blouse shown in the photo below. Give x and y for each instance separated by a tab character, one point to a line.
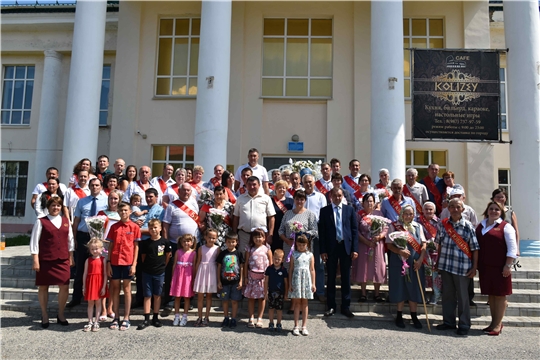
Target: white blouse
36	234
509	236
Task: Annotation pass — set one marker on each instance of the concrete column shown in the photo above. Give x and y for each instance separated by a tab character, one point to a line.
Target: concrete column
46	148
522	34
212	112
84	89
387	103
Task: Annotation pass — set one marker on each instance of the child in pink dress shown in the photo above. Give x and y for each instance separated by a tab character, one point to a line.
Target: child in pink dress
258	257
206	274
182	278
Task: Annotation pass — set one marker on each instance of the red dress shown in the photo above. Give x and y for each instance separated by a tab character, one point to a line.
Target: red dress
94	279
491	261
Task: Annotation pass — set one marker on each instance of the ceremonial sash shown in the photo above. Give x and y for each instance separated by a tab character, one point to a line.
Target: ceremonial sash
357	192
410	240
362	213
196	187
162	185
381	186
232	198
280	205
79	192
432	230
107	191
395	204
435	192
408	193
291	191
271	186
462	244
100	177
45	184
320	187
192	214
141	185
215	182
175	188
206	208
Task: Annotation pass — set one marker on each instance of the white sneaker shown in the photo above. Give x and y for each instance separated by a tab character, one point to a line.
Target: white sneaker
296	332
183	322
305	332
176	321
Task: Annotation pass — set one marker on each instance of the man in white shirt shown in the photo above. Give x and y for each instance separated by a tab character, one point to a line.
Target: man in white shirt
76	192
216	180
258	171
140	186
324	184
161	183
40	188
468	212
413	188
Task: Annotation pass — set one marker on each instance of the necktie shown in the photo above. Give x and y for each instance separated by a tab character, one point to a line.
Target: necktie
93	209
339	231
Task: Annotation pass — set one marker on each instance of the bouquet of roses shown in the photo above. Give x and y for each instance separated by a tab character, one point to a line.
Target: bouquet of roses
206	195
96	226
377	224
399	239
315	167
296	228
380	193
217	217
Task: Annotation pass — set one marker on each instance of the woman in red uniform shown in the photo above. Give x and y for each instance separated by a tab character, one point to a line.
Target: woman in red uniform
51	246
497	240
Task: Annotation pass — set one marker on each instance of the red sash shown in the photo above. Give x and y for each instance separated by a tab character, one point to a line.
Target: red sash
215	182
107	191
411	241
100	177
362	213
408	193
462	244
395	204
45	184
140	185
381	186
78	191
197	187
232	198
280	205
291	191
271	186
432	230
162	185
357	192
435	192
192	214
175	188
320	187
206	208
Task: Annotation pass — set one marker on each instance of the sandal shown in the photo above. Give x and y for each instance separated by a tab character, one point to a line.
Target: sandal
95	327
198	323
111	315
251	323
102	318
88	327
125	325
114	324
259	324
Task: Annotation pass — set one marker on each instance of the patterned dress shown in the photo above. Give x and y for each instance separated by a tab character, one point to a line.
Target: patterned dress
258	262
222	228
301	277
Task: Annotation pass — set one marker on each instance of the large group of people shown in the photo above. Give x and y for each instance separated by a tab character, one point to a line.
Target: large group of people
267	238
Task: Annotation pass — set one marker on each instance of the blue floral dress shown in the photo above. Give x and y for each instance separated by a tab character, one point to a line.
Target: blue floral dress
301	278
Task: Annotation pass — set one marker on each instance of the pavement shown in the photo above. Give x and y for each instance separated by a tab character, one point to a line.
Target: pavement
333	338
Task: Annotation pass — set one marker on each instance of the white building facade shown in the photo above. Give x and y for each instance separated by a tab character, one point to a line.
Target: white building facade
193	83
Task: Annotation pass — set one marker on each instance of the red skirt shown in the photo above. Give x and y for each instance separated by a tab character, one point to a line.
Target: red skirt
492	282
55	272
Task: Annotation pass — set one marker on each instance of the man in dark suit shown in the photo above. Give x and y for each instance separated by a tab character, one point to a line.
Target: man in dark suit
338	236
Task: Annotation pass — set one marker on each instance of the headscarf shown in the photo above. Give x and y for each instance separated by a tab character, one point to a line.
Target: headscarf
407	226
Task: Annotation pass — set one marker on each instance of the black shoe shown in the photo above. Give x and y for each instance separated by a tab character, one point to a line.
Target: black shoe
73	303
400	323
63	323
445	327
472	303
347	313
226	322
330	312
417	323
143	325
44	325
156	322
462	332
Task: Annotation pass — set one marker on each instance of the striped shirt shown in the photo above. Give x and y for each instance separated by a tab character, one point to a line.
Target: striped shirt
451	258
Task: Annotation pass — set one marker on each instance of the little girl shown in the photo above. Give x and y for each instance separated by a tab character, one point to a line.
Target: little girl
95	282
258	257
136	212
182	277
206	274
302	281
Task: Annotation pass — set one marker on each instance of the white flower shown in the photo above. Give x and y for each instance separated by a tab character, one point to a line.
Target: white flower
290	161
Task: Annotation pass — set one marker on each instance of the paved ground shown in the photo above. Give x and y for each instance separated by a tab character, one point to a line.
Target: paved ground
336	338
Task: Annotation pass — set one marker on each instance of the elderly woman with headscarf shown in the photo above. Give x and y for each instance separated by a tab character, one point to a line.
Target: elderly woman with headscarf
403	287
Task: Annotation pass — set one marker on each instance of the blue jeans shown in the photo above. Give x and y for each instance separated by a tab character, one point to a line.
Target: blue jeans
319	268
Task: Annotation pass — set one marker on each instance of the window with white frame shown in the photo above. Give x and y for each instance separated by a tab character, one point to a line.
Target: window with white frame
297	58
17	91
503	99
105	92
419	34
421	159
504	183
178	57
13	187
176	155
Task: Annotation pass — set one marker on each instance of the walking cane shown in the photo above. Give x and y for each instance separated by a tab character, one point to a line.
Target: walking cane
423	299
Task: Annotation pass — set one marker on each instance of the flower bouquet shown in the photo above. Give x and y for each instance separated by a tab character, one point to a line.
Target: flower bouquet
96	226
315	167
399	239
206	195
381	194
296	228
217	217
376	225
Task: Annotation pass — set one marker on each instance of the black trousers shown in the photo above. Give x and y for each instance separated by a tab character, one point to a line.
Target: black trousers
82	255
168	276
339	254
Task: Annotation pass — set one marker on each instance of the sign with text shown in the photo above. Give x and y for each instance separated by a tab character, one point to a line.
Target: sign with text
455	95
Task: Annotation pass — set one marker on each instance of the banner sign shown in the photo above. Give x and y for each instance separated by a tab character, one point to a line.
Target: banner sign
455	95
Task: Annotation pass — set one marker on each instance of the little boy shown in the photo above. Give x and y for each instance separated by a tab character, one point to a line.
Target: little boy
276	286
155	254
136	212
230	276
122	261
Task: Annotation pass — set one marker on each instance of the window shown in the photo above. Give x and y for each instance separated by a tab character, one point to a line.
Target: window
503	99
104	99
504	183
17	95
13	187
178	57
297	58
420	160
177	155
420	34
